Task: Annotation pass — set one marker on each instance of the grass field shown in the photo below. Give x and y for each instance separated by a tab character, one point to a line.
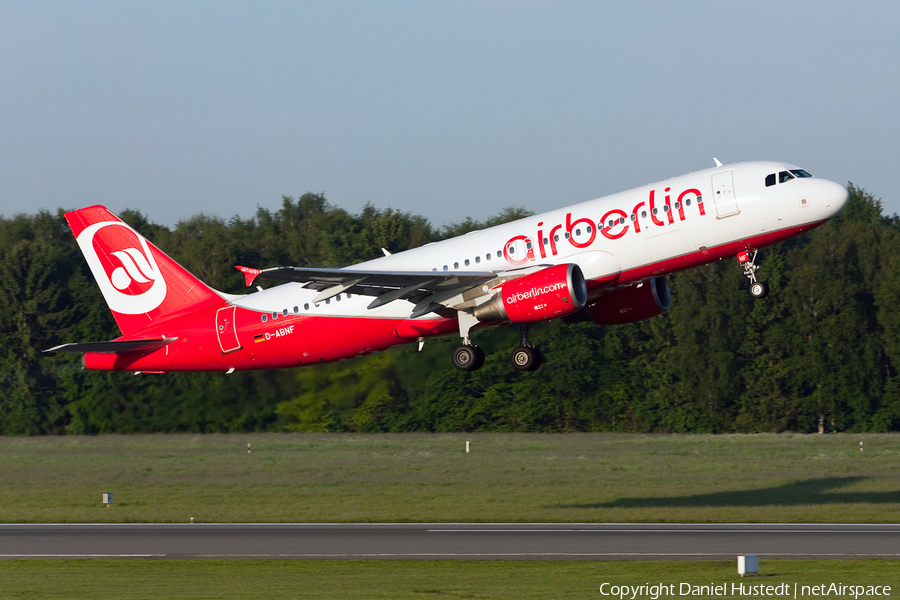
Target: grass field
398	580
430	478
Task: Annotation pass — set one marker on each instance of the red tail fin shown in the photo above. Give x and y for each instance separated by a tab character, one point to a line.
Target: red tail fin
139	282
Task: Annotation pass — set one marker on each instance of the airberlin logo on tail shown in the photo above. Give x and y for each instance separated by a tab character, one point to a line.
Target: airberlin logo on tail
123	266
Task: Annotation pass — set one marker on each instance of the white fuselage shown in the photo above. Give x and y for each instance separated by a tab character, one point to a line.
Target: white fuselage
616	238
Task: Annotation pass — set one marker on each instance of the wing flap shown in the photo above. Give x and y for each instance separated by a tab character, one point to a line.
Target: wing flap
320	279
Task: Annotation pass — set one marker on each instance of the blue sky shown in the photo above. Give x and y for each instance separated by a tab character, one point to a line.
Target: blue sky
446	110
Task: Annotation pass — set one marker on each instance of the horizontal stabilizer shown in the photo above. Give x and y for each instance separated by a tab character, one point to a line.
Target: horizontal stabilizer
118	346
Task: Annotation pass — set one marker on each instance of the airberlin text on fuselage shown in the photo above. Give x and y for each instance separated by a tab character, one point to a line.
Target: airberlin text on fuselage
621	224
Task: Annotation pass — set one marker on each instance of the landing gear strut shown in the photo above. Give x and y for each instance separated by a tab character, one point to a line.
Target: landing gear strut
526	357
758	289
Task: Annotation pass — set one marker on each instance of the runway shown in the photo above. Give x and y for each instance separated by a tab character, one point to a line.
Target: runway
472	541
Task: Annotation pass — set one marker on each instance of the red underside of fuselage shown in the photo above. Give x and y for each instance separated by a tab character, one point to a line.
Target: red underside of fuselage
296	340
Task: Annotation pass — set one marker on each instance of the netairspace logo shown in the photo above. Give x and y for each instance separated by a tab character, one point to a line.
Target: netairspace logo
783	590
534	292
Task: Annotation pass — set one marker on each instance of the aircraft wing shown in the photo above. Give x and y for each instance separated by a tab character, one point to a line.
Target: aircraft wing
429	289
117	346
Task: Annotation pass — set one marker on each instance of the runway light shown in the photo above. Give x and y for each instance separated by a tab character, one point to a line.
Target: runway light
467	446
107	499
748	565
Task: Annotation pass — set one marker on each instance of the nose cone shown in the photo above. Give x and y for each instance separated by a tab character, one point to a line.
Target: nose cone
831	196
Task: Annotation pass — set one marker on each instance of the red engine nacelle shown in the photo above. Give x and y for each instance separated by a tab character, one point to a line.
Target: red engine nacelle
552	292
630	304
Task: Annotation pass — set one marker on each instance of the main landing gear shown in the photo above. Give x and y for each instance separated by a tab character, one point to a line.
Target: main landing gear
758	289
469	357
526	357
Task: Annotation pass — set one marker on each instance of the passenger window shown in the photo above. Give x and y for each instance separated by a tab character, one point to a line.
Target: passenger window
770	180
455	266
306	306
499	253
338	297
643	214
512	250
633	217
296	309
687	202
546	241
665	208
588	228
477	259
655	211
621	220
611	223
284	312
699	199
467	262
487	256
577	232
348	295
784	176
528	245
265	318
445	268
274	316
555	238
327	300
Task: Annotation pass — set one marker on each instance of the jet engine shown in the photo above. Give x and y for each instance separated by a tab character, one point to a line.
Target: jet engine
631	304
549	293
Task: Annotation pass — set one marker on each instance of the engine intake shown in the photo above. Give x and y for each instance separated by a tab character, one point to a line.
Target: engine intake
549	293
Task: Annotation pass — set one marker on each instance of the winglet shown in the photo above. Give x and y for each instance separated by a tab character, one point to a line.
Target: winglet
249	274
386	253
717	161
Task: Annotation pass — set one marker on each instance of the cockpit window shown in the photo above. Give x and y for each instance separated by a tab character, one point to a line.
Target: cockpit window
800	173
770	180
784	176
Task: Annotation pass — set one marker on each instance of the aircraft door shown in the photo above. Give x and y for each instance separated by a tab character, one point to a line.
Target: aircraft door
225	330
723	194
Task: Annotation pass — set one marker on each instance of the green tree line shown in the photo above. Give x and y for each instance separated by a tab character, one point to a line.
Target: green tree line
822	352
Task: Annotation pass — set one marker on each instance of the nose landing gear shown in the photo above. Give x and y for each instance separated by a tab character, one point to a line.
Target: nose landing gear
758	289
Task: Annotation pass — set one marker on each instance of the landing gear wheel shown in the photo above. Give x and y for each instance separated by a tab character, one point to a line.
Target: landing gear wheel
524	358
759	290
468	358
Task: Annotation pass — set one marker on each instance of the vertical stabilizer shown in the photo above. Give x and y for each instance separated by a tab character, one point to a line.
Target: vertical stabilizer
140	283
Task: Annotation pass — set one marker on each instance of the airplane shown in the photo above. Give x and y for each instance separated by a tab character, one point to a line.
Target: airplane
604	260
